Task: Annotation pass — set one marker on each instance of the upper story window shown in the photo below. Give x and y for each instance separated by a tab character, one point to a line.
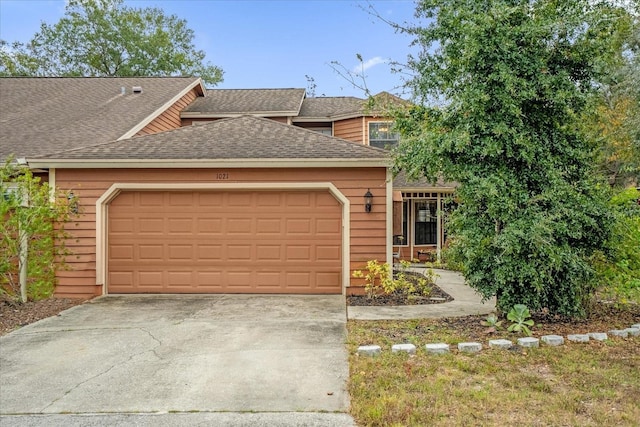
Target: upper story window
381	135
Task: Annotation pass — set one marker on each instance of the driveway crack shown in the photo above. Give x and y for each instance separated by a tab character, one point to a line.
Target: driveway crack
157	344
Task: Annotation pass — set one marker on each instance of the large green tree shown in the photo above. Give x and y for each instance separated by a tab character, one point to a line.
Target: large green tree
107	38
615	120
512	78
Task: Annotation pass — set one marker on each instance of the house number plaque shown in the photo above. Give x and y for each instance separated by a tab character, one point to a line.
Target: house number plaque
222	175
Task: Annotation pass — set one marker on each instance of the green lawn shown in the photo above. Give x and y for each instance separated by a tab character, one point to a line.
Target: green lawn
593	384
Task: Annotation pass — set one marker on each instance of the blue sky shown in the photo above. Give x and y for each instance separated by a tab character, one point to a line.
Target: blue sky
267	44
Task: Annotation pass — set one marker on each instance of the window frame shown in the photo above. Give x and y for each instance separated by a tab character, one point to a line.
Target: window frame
384	143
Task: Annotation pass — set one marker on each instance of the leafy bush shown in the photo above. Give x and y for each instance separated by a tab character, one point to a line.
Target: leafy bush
618	266
380	279
30	215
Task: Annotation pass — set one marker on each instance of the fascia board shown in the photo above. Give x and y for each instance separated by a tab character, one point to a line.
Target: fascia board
137	128
220	163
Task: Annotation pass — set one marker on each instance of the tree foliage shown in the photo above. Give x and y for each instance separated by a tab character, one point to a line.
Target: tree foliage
615	120
28	213
618	265
106	38
512	78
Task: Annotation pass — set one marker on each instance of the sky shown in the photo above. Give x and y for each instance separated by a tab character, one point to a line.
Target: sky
268	43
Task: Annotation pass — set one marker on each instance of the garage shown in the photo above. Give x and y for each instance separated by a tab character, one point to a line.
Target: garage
224	241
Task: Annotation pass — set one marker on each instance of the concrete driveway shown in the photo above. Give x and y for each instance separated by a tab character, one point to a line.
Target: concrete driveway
196	357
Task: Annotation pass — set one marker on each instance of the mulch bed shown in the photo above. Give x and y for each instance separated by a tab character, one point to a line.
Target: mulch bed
14	314
602	317
437	296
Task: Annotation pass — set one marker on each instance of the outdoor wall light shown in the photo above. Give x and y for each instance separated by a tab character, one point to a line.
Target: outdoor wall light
73	202
368	200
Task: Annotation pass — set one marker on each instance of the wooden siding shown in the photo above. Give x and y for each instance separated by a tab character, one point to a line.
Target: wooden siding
368	230
350	129
170	118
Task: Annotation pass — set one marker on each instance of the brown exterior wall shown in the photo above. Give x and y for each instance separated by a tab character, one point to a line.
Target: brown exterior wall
169	119
368	230
350	129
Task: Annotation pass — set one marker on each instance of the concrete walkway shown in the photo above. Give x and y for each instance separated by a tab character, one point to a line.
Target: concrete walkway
466	302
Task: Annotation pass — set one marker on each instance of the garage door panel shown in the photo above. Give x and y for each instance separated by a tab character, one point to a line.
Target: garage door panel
180	226
181	199
240	199
267	199
299	252
239	226
209	280
210	199
119	278
151	198
209	252
298	226
181	252
298	200
327	226
149	279
122	252
238	279
297	279
327	280
180	279
268	252
216	241
209	226
150	253
268	226
328	253
268	279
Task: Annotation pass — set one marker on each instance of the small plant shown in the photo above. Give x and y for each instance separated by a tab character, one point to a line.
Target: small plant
380	279
519	316
492	322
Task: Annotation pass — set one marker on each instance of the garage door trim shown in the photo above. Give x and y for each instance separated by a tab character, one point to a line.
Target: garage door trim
103	202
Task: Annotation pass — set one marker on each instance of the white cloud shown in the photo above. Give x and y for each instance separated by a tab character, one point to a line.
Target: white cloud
368	64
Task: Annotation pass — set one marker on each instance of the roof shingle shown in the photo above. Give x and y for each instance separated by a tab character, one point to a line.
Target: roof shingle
45	115
265	102
244	137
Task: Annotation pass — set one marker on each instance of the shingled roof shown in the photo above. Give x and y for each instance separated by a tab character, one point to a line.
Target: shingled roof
342	107
261	102
244	137
403	182
45	115
328	107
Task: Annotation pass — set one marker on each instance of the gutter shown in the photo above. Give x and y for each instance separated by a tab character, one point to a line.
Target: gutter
207	163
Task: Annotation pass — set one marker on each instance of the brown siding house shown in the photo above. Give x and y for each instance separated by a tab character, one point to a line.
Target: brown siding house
264	195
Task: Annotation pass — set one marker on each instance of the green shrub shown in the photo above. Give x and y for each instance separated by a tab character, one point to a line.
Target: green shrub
618	265
380	279
30	214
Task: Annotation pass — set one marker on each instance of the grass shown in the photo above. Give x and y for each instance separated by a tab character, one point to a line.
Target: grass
590	384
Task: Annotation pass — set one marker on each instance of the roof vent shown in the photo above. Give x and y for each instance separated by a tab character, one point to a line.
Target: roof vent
123	90
137	89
